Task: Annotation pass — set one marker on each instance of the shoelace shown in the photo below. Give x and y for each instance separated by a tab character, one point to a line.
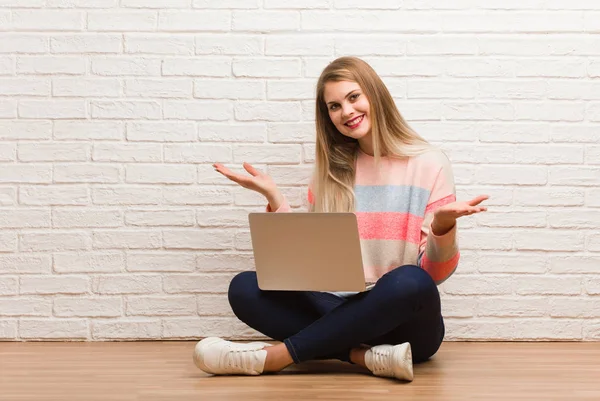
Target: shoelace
381	360
239	358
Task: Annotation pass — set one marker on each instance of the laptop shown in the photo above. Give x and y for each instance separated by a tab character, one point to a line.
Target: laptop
307	251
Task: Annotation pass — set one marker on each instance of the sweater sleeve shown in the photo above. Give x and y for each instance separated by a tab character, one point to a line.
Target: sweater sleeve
439	254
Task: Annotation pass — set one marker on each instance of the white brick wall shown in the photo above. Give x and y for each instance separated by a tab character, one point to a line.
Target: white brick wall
113	224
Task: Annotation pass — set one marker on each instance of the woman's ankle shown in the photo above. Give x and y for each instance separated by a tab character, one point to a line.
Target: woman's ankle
357	356
278	358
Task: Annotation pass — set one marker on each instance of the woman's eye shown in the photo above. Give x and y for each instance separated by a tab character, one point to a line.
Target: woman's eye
356	95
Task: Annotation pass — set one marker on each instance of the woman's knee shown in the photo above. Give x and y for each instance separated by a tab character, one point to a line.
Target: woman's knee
409	281
241	288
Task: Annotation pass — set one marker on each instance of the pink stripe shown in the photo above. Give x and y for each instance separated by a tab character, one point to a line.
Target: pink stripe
439	270
390	226
439	203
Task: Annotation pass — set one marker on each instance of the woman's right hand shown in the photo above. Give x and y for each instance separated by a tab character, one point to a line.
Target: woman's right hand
257	181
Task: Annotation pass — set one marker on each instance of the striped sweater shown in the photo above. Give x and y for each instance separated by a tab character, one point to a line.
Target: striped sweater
394	209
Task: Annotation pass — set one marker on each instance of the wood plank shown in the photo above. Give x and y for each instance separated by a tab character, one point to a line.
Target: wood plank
127	371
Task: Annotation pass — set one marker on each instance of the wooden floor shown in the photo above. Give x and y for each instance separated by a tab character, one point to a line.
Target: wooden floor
165	371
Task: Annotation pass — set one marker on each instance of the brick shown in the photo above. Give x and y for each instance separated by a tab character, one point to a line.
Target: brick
128	110
238	45
52	109
54	285
47	20
299	45
25	263
164	88
89	262
200	67
161	262
54	241
49	152
159	44
8	152
574	264
82	3
8	242
160	174
515	264
39	65
198	153
290	90
86	218
592	197
243	241
478	285
55	329
478	111
291	132
546	240
127	284
505	89
198	327
306	4
268	111
436	89
567	90
229	89
87	307
198	239
156	4
25	173
9	285
120	239
127	195
8	108
30	306
574	219
220	262
158	218
223	217
213	305
521	21
8	196
86	43
196	195
266	68
198	110
435	45
133	66
161	306
24	218
23	43
512	175
122	20
574	175
593	242
54	195
24	87
196	283
550	111
194	21
347	21
282	154
513	307
8	329
246	132
86	173
126	329
226	4
7	65
88	130
86	87
545	285
171	131
575	307
127	152
592	286
546	329
265	21
492	240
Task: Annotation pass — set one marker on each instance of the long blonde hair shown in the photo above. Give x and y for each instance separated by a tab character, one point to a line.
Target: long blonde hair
333	179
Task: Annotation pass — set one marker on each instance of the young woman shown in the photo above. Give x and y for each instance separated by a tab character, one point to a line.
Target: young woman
368	161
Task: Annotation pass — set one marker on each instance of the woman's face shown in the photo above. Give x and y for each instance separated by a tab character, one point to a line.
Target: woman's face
348	109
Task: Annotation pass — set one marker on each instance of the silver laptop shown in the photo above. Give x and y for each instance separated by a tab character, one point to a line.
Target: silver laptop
307	251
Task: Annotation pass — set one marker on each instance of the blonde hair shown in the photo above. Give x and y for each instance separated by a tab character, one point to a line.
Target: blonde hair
333	179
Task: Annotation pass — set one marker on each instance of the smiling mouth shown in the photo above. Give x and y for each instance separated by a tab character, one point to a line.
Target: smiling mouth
355	121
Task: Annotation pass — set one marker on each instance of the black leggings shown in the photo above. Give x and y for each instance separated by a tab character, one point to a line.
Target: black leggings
403	306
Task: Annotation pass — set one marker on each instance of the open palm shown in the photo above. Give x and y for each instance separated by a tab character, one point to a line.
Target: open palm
256	181
454	210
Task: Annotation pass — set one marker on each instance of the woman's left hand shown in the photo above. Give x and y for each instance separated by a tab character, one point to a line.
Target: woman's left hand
444	218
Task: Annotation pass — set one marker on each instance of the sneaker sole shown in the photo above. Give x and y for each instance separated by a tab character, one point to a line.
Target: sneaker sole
403	353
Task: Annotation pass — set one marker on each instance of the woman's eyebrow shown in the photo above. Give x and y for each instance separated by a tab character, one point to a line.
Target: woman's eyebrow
349	93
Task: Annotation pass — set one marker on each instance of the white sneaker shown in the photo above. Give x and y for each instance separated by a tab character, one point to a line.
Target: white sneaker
220	357
390	361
